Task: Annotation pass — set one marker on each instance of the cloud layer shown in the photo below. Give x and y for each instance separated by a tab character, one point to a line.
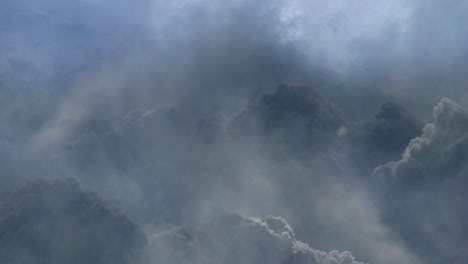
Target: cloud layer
171	111
424	186
230	238
54	221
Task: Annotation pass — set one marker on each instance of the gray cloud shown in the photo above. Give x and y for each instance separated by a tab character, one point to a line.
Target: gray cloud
381	139
230	238
438	151
143	149
148	147
369	58
255	167
422	195
54	221
70	71
294	116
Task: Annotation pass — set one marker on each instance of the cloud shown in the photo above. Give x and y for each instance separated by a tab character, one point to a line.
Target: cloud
230	238
54	221
165	165
294	116
141	152
381	139
164	150
420	195
437	154
71	78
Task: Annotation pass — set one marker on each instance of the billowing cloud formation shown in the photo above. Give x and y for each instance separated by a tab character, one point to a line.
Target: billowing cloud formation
54	221
294	116
71	68
278	156
147	148
230	238
225	238
422	197
381	139
153	57
438	154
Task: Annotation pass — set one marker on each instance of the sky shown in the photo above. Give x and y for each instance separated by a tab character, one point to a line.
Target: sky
202	131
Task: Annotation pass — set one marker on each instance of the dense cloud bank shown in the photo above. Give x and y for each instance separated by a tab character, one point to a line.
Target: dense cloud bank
146	150
170	111
423	192
137	166
294	116
54	221
255	162
204	56
438	154
148	146
230	238
381	139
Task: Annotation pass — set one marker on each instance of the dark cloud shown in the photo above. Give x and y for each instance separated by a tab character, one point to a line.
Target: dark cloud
295	117
72	71
54	221
211	130
438	153
166	165
422	195
147	148
381	139
230	238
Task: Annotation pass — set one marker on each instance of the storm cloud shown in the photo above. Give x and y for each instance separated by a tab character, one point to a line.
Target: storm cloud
381	139
438	154
230	238
424	186
191	115
54	221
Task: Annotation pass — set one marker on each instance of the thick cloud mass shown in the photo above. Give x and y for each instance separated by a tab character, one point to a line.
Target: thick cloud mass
423	194
381	139
147	148
280	155
54	221
171	111
295	117
438	154
230	238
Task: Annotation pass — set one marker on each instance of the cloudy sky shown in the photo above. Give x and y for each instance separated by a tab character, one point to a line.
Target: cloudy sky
244	131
